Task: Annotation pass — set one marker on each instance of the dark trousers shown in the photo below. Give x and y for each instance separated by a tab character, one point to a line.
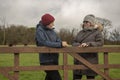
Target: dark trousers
52	74
79	77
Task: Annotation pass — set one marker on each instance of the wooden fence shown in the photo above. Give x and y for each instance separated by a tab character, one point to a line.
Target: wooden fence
65	67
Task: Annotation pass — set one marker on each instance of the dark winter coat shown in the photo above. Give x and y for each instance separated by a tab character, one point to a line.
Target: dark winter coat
93	38
47	37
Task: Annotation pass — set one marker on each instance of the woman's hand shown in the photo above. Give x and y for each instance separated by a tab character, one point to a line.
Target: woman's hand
64	44
83	45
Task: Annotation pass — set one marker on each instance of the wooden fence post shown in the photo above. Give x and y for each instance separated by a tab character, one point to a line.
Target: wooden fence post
106	62
16	65
65	63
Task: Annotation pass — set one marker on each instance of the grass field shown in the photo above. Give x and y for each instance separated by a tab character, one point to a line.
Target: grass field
32	60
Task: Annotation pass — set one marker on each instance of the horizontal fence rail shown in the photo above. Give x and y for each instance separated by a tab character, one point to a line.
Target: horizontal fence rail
65	67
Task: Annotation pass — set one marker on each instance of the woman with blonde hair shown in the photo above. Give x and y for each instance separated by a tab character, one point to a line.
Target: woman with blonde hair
90	36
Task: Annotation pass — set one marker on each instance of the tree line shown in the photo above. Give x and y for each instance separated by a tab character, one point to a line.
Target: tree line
19	34
14	35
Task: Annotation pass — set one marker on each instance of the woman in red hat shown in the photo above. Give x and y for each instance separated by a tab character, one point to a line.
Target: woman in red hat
46	36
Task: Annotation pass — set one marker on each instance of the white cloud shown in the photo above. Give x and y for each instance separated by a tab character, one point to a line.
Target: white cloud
66	12
73	12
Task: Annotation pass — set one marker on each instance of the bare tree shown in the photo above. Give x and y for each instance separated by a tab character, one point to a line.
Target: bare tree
4	23
115	36
104	22
20	35
67	34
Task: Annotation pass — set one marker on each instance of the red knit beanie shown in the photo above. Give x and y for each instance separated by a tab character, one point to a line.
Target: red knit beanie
46	19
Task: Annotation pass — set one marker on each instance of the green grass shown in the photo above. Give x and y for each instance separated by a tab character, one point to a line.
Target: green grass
32	60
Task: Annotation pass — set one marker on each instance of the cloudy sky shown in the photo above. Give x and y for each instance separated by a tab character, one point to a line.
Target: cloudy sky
68	13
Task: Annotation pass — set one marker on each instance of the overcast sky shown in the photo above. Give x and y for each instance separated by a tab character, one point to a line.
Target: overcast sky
69	13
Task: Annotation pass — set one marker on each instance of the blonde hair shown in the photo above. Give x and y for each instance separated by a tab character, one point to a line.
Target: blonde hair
98	26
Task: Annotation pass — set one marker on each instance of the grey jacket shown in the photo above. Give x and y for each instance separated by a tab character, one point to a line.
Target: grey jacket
94	39
47	37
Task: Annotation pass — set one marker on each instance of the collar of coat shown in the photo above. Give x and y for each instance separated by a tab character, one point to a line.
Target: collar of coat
93	29
44	27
